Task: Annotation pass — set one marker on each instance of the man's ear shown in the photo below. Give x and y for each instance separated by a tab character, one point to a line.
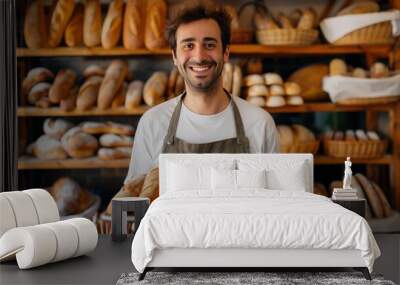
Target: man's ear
226	54
173	57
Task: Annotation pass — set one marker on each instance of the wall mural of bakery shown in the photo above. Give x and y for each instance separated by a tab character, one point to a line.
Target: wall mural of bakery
89	72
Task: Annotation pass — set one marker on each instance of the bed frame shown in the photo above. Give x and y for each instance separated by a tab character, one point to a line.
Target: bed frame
241	259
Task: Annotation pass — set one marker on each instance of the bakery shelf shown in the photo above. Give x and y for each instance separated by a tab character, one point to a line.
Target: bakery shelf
28	162
57	112
309	107
327	160
247	49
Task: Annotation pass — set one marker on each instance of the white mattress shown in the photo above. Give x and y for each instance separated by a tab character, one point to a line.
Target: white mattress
252	219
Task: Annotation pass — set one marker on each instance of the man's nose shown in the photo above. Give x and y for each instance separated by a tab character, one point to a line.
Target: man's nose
200	53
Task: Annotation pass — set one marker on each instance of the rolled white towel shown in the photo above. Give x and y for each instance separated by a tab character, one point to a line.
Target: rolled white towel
7	220
23	208
40	244
46	207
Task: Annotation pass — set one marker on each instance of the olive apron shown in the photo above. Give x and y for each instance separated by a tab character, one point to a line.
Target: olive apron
172	144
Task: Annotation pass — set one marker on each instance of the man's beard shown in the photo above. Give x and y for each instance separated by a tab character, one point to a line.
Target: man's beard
201	86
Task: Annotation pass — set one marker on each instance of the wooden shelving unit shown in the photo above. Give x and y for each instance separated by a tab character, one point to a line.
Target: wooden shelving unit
308	107
248	49
32	163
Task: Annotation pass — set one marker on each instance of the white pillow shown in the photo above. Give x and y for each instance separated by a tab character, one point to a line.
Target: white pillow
183	175
280	174
237	179
251	179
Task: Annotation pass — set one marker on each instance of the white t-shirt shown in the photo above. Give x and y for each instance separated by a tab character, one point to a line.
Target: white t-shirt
152	128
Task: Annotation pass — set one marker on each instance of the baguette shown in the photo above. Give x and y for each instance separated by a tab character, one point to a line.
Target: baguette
119	99
154	89
63	83
134	20
87	96
173	76
92	23
68	104
59	20
134	94
93	70
113	140
156	16
35	33
74	31
112	82
237	80
284	21
112	26
114	153
96	128
227	77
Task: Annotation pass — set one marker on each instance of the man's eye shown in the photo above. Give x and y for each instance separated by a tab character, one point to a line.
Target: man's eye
188	46
210	45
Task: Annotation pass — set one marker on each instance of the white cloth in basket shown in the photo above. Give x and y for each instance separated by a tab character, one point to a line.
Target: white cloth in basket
336	27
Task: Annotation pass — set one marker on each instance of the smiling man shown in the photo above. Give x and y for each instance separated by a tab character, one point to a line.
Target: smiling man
205	118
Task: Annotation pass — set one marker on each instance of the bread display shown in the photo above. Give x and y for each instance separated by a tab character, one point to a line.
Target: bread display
114	153
35	33
74	30
154	88
134	94
355	143
112	82
70	197
377	70
134	21
35	76
92	23
112	25
87	95
79	144
62	85
156	17
56	128
59	20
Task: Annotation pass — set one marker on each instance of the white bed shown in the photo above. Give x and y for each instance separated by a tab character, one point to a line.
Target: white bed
266	218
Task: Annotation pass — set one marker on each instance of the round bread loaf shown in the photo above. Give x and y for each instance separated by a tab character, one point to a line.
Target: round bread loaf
34	76
302	134
56	128
70	197
47	147
292	88
286	135
253	79
38	91
337	67
275	101
295	100
256	100
257	90
276	90
79	144
271	78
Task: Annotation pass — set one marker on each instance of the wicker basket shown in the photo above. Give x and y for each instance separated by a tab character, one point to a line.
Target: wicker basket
287	37
355	149
241	36
104	225
306	147
380	33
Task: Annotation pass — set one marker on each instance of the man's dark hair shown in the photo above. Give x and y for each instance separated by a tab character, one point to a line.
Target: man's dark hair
201	11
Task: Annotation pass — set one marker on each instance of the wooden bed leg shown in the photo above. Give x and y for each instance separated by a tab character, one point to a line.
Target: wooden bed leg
364	271
142	275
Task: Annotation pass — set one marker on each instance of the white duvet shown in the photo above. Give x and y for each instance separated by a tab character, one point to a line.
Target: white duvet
250	219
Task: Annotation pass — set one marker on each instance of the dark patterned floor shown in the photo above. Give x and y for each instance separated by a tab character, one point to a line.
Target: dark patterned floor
242	278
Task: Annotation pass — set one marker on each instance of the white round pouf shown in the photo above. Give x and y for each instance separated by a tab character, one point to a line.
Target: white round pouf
23	208
7	218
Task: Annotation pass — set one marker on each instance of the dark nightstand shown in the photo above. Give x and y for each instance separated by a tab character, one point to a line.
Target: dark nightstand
120	209
356	205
